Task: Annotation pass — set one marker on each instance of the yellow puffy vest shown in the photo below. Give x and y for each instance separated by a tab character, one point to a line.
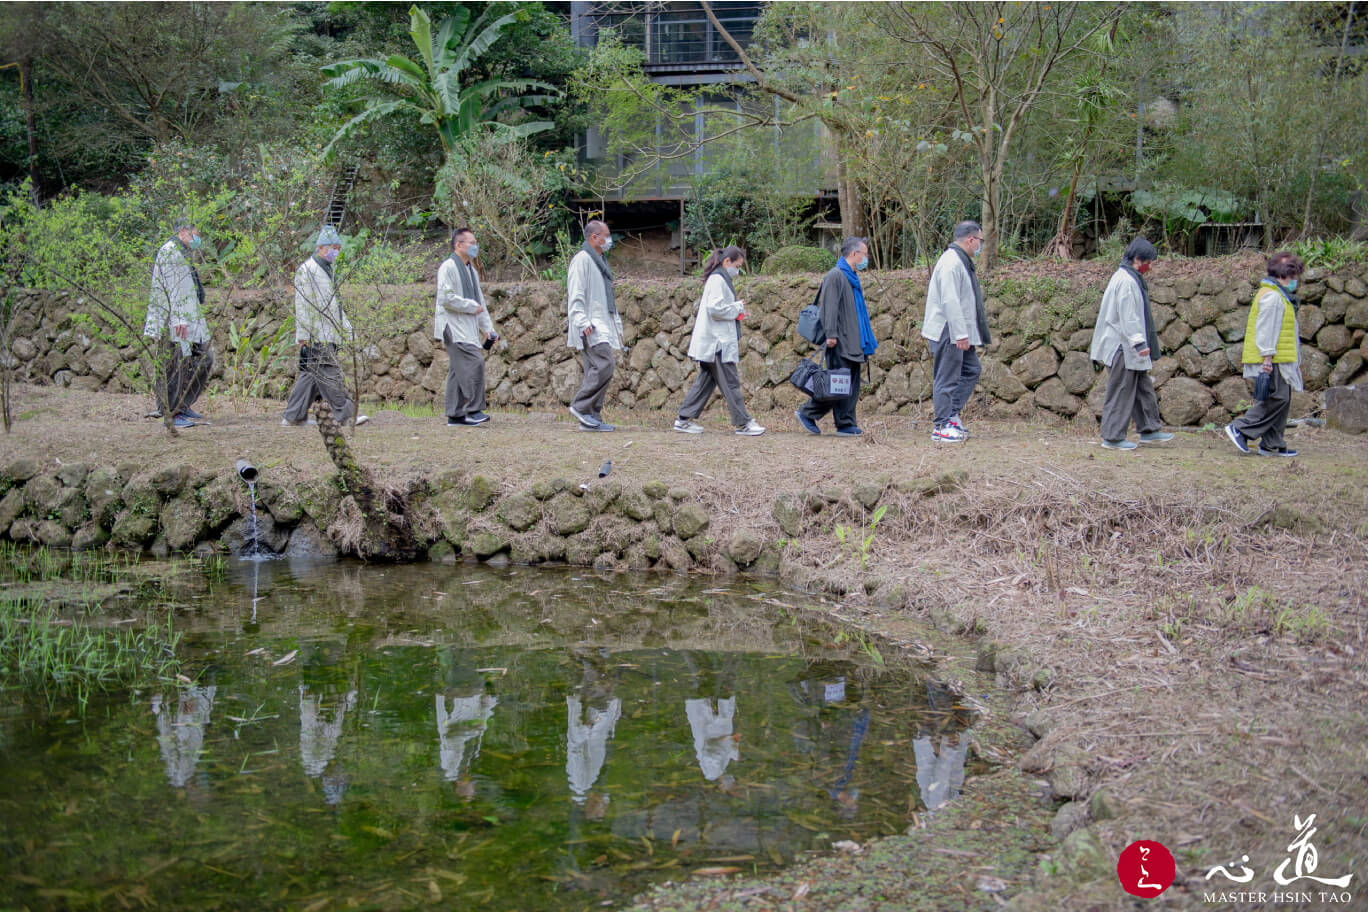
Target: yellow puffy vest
1287	335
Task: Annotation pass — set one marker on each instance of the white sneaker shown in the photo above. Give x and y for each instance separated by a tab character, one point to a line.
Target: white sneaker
685	426
751	429
949	434
362	419
955	423
286	422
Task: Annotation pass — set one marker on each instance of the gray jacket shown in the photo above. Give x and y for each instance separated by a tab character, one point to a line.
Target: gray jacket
840	319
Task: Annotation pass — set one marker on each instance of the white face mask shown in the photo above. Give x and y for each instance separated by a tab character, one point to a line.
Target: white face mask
608	244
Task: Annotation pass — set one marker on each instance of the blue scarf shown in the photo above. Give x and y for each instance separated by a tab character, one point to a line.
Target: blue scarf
867	341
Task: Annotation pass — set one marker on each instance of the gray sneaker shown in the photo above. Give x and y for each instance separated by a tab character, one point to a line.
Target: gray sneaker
586	421
685	426
1156	437
1120	445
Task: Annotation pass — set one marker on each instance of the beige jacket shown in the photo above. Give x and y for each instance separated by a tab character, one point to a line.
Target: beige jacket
467	318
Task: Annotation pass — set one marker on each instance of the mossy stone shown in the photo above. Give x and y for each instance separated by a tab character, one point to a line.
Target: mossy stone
133	529
788	513
72	508
656	490
1083	857
182	522
11	506
485	545
568	515
480	494
634	505
519	511
42	494
321	499
22	469
53	534
744	547
169	481
679	495
73	474
88	537
441	552
104	494
674	554
141	496
690	520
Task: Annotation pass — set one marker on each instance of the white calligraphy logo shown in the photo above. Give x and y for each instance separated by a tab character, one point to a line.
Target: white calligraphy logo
1140	881
1304	862
1307	858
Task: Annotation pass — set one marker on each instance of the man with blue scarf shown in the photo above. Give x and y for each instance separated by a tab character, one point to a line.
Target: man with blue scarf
850	337
955	326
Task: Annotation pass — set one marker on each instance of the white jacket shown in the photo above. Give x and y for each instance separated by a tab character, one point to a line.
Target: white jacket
318	312
714	332
458	313
173	301
587	305
1121	324
950	301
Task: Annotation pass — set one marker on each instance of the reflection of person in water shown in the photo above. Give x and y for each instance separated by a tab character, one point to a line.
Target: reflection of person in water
714	744
463	722
182	737
839	730
593	713
940	774
318	740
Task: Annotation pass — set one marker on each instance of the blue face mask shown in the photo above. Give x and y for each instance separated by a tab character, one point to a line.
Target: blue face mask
1291	285
473	251
196	242
863	264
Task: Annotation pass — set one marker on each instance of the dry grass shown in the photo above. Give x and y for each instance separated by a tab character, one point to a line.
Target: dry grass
1193	619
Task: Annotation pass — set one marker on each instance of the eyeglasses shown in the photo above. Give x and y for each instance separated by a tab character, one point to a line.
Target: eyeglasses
979	239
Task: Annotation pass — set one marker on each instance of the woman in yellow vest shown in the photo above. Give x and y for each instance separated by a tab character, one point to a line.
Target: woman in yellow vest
1271	347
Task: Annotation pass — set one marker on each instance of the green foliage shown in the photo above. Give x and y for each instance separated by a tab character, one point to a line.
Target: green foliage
1180	210
1331	253
798	259
253	358
509	195
439	92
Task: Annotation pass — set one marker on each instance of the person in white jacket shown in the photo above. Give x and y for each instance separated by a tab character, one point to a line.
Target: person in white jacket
1124	339
594	325
716	346
175	317
463	325
320	327
955	327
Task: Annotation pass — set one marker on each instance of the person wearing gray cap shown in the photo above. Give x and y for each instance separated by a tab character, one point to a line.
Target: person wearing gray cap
320	327
175	317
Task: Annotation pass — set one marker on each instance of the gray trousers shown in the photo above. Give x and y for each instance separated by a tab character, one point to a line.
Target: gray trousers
320	377
955	373
598	373
465	385
185	376
721	375
1267	420
1130	395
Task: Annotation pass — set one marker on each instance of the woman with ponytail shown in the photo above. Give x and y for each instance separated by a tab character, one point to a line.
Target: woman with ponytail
716	346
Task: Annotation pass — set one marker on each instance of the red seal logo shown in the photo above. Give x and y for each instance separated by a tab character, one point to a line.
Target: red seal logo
1145	868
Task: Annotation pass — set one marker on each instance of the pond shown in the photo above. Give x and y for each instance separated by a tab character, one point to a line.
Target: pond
352	736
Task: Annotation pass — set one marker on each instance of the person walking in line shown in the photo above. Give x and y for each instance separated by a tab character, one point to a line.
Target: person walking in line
175	318
955	327
320	327
1272	349
1125	340
850	337
716	346
595	327
463	325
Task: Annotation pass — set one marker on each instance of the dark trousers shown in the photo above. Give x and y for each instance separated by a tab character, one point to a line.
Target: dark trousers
955	373
1130	396
598	373
716	375
320	377
465	384
842	410
184	376
1266	421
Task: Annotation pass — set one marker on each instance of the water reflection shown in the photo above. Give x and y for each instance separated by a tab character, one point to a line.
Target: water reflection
318	740
538	685
181	720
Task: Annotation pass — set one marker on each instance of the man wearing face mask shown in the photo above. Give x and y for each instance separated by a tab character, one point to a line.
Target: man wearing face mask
1125	340
595	328
320	327
175	316
955	326
850	337
463	325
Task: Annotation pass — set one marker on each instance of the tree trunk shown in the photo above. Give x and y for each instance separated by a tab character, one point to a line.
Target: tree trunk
31	127
990	201
848	198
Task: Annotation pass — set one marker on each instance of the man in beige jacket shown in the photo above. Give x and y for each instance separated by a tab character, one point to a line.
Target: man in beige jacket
594	325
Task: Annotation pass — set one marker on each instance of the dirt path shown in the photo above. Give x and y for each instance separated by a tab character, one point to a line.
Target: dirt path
1183	627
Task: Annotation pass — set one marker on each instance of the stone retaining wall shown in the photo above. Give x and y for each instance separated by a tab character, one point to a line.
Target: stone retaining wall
182	508
1039	362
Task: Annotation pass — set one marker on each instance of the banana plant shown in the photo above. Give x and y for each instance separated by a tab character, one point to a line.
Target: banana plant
436	87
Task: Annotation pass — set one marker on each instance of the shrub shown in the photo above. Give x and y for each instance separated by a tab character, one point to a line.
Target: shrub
798	259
